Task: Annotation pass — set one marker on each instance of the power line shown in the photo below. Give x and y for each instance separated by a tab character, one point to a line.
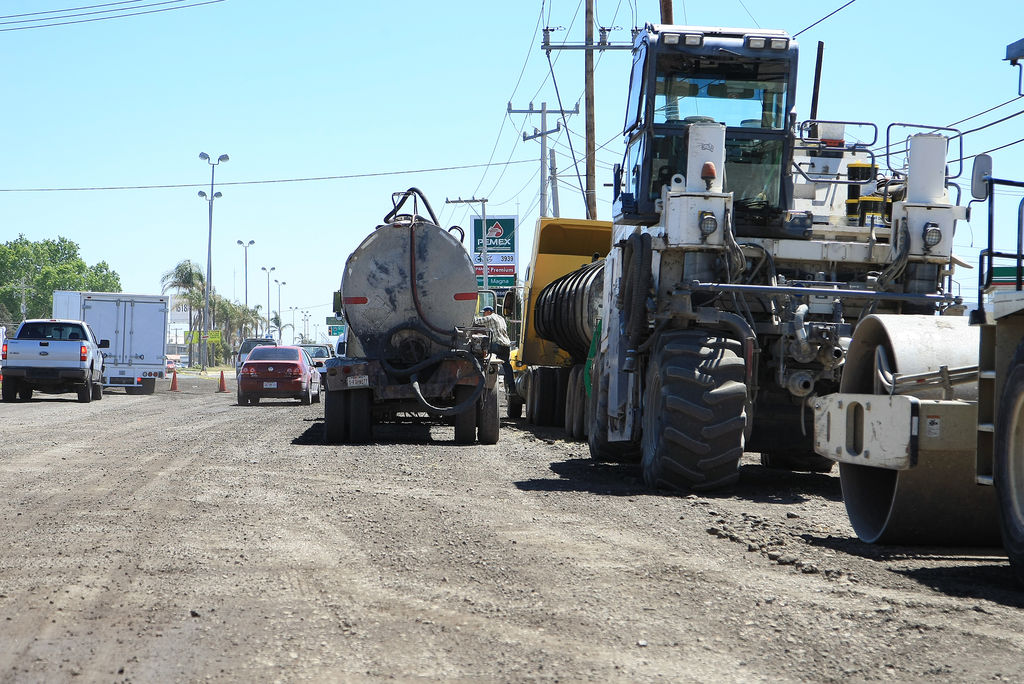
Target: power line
69	9
824	18
118	16
265	182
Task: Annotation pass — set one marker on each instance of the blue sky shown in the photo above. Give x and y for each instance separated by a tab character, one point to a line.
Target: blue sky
328	88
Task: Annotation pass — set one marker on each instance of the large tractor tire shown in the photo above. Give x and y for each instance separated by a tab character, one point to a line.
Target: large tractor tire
597	432
335	417
694	412
1008	464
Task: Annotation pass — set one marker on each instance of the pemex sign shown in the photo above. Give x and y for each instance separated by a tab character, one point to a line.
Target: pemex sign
502	251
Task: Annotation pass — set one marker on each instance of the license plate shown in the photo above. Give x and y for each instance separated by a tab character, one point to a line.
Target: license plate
359	381
269	385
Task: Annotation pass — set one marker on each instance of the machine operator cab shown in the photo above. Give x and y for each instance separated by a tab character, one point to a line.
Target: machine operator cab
687	75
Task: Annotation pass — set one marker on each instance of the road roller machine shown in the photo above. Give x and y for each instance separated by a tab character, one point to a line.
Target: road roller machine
746	247
561	297
930	414
409	294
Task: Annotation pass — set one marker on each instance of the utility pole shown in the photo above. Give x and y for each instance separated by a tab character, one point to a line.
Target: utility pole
483	226
553	175
588	88
666	12
543	135
588	67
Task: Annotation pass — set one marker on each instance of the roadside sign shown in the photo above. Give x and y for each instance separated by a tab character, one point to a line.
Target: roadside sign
494	282
502	250
215	336
196	336
335	330
335	320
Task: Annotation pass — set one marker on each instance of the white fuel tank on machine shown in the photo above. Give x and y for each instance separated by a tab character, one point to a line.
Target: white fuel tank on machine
926	177
706	143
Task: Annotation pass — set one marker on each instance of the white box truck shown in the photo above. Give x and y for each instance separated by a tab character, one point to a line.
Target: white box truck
136	326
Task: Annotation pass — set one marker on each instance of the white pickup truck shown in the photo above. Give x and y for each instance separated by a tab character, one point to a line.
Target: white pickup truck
52	356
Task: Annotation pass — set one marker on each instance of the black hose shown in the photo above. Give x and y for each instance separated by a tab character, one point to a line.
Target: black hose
466	405
405	196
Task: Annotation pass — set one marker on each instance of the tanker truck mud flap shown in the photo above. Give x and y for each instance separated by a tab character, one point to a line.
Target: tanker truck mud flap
695	402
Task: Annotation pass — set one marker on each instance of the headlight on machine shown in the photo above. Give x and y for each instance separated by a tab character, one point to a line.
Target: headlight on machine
931	235
708	224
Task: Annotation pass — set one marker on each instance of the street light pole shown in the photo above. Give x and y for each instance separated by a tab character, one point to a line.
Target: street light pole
272	268
293	309
204	349
279	321
246	246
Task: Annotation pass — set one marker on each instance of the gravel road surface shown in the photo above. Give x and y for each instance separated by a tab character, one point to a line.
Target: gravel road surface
180	537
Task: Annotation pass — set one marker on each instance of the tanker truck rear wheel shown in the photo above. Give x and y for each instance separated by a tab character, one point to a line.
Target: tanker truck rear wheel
335	418
465	422
694	412
360	416
487	423
1008	464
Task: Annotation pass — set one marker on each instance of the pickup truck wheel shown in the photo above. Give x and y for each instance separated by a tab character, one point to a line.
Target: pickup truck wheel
335	417
97	391
9	390
25	393
85	393
488	425
465	422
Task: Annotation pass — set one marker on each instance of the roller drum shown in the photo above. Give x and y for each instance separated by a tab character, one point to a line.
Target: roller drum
568	307
937	502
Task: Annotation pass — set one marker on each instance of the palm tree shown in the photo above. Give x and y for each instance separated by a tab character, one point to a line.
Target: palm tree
188	280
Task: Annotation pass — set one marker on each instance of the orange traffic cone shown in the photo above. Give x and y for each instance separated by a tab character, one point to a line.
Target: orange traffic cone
174	382
223	386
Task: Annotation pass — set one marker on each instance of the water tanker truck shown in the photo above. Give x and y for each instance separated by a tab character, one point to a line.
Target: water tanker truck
409	294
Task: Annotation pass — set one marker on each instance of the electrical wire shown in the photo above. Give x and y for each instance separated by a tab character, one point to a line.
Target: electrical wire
265	182
118	16
823	18
69	9
752	16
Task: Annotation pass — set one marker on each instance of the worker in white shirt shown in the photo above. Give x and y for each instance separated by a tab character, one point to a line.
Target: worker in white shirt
501	346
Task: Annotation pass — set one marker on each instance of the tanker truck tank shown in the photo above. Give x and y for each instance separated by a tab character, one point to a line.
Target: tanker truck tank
409	295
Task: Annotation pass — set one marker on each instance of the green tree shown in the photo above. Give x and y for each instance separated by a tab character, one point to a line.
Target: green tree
36	269
187	279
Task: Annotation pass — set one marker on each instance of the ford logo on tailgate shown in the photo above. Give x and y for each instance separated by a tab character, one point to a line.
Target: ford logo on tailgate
44	353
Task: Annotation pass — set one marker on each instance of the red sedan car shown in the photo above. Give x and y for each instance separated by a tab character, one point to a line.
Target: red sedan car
276	372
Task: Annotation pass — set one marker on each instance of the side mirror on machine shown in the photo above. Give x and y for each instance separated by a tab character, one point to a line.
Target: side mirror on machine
980	175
